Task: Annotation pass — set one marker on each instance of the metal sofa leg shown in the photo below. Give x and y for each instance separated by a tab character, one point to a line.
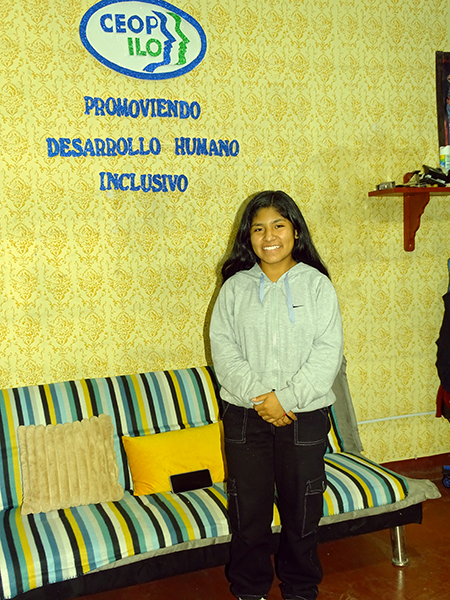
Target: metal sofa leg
399	556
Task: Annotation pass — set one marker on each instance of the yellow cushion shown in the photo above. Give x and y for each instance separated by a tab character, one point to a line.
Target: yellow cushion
154	458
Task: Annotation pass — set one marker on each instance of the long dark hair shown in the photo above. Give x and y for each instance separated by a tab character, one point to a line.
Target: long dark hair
242	256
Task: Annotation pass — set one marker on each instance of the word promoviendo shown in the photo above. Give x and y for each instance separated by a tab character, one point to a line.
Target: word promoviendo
144	107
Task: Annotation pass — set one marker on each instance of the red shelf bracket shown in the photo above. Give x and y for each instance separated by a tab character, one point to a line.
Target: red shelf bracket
413	207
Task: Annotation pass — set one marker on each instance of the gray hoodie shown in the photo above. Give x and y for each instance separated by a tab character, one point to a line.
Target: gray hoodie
284	336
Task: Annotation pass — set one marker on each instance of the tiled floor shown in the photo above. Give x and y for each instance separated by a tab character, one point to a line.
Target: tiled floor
357	568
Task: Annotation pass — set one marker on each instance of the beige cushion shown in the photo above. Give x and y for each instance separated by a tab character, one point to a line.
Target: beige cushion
68	465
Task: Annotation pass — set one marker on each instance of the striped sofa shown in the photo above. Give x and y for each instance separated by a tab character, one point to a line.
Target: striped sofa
77	551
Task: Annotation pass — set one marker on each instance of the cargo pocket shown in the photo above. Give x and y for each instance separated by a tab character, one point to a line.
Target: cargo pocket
313	505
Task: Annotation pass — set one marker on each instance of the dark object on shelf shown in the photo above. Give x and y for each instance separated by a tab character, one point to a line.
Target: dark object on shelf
434	176
429	178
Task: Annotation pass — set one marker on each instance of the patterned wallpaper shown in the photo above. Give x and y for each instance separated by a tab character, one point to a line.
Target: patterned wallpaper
325	99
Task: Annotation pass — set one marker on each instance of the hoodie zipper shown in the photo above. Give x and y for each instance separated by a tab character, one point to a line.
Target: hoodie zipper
275	326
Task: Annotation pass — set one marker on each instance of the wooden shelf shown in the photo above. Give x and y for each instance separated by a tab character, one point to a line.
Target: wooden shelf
415	200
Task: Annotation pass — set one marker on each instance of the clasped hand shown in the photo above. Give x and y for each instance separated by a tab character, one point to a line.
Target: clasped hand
269	408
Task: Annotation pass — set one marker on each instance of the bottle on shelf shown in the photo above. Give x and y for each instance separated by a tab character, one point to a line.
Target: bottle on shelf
444	158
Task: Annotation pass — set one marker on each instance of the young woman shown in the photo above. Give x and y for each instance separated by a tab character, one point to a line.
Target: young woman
276	339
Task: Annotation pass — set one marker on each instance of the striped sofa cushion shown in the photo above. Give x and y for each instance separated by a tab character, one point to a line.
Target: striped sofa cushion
138	404
355	483
335	441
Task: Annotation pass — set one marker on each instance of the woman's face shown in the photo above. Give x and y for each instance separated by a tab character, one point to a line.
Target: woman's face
272	238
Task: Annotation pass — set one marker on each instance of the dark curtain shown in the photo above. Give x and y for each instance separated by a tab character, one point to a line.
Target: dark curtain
443	362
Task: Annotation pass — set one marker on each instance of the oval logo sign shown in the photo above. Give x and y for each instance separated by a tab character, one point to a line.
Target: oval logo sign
146	39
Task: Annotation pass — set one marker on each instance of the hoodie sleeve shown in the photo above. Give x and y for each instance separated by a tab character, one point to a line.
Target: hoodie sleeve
233	371
316	376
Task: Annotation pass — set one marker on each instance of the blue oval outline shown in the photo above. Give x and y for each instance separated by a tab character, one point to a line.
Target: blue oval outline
138	74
